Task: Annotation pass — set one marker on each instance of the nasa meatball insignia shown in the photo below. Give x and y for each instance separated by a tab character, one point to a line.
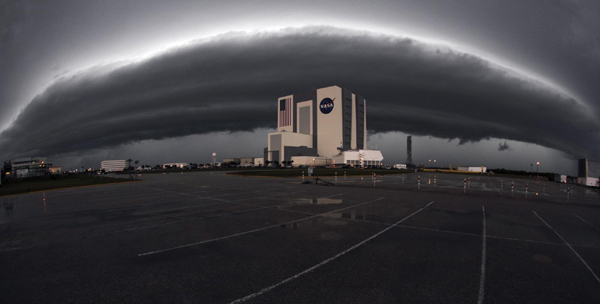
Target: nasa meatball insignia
326	105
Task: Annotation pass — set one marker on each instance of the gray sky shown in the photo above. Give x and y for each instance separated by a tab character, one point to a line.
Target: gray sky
500	83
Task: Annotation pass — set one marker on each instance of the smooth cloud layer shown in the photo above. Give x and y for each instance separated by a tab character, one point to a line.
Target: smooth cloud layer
231	82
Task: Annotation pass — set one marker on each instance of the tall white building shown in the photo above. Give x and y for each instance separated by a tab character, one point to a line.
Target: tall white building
321	123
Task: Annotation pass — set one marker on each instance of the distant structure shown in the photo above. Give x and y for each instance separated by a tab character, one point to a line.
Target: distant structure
409	151
26	167
174	165
321	127
582	167
480	169
113	165
588	172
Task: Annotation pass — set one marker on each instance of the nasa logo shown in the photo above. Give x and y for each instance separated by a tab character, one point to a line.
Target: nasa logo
326	105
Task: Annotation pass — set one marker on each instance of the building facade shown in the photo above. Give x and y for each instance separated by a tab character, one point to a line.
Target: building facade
320	123
29	166
588	172
113	165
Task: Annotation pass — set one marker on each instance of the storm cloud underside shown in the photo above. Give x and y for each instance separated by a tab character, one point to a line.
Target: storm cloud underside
231	82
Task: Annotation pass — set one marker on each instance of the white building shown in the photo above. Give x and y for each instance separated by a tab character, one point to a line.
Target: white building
361	158
319	124
560	178
113	165
175	165
480	169
588	172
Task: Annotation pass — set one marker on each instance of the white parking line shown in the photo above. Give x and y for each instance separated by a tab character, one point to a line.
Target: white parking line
483	249
255	230
267	289
577	254
224	213
587	222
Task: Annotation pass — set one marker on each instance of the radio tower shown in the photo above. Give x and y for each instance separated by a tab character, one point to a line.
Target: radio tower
409	151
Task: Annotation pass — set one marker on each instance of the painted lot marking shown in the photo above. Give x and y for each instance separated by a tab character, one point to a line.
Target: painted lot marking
483	249
267	289
577	254
587	222
225	213
255	230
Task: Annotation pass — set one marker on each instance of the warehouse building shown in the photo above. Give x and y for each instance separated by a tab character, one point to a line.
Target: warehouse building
319	125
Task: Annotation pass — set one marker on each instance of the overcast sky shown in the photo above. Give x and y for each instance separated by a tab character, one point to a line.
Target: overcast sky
498	83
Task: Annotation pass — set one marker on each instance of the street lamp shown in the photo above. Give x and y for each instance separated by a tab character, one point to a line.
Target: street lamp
531	169
538	167
129	167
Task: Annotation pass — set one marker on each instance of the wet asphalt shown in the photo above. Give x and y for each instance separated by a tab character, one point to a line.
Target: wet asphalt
213	238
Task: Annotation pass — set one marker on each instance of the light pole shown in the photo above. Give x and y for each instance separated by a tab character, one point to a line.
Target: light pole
531	169
538	167
129	167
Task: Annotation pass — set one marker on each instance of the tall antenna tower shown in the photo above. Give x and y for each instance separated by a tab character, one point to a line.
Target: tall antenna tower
409	151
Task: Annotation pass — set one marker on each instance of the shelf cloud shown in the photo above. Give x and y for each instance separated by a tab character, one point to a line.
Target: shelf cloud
231	82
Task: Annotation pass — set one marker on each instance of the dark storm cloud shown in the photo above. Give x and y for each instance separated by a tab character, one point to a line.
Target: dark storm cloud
231	82
503	146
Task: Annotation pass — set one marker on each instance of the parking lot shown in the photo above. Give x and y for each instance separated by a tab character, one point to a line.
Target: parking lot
207	237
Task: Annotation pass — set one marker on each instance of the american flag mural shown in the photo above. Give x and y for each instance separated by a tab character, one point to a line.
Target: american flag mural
285	112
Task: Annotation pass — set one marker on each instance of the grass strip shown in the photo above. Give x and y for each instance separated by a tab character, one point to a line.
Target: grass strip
42	183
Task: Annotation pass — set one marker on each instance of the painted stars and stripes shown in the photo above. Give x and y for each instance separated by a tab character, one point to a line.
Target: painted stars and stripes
285	112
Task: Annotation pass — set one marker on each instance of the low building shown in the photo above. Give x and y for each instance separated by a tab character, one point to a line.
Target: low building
175	165
55	170
560	178
259	161
310	161
588	181
247	161
480	169
231	160
29	166
113	165
360	158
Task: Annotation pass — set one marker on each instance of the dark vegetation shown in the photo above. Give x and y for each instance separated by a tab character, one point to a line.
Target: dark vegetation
49	182
297	172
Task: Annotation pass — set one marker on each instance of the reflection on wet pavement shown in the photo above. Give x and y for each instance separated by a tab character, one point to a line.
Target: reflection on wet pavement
8	207
320	201
7	214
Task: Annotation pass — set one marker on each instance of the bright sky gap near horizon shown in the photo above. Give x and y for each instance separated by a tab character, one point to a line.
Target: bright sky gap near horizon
493	83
